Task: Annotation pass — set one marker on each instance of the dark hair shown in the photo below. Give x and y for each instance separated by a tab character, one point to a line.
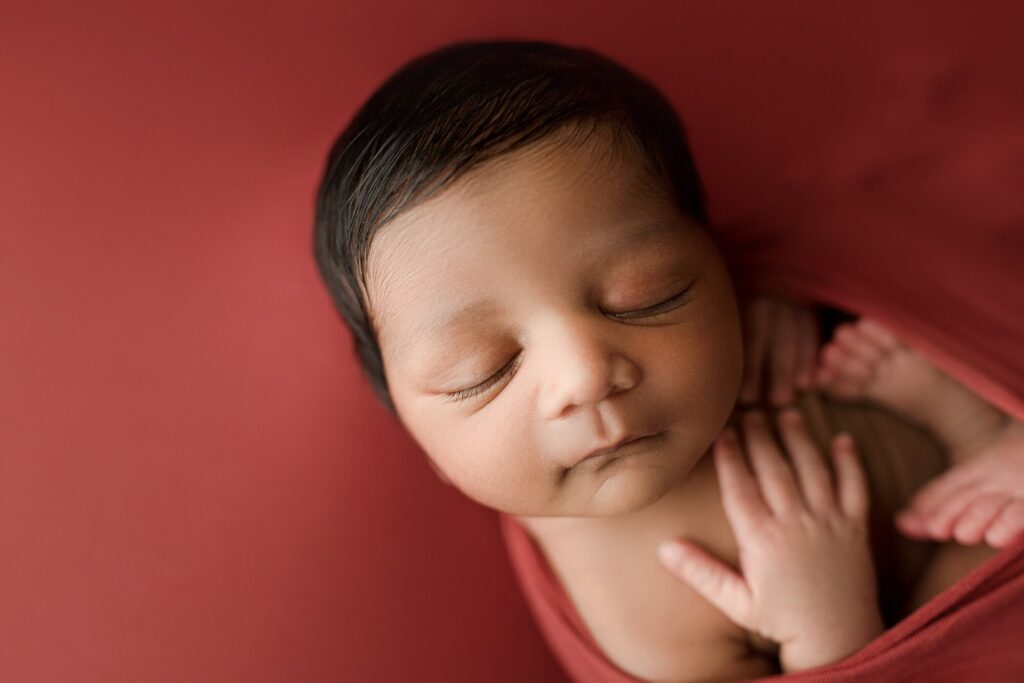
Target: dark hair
448	111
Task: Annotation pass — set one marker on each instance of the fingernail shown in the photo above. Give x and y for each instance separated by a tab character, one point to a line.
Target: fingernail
670	553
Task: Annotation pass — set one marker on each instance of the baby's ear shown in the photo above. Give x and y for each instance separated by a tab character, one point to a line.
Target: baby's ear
437	470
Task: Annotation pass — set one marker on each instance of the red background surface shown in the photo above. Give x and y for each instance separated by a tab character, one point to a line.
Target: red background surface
195	482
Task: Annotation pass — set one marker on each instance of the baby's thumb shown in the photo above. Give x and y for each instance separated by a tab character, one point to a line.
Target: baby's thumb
709	577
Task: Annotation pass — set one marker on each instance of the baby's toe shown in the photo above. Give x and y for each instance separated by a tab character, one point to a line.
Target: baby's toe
912	525
971	526
845	365
940	521
1007	526
879	335
958	482
838	386
859	345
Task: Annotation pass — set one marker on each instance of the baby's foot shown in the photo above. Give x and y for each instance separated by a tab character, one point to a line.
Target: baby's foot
981	499
865	360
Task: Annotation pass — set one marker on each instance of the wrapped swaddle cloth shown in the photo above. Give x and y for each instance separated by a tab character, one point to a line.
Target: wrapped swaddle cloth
915	219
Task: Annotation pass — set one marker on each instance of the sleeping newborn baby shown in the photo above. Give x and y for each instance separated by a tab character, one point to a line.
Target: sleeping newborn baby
516	235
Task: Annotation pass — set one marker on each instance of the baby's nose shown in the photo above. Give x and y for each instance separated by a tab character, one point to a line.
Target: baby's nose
582	370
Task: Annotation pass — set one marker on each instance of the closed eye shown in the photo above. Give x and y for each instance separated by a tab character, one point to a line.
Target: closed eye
487	383
672	303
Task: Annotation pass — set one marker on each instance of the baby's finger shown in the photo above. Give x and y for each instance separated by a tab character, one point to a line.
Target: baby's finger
1007	526
758	319
741	499
814	477
851	481
807	345
783	356
971	525
774	475
709	577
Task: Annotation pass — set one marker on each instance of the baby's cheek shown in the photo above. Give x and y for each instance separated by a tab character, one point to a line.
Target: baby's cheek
702	383
494	462
720	351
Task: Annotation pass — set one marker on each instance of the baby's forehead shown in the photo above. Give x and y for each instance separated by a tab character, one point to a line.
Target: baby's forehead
551	176
566	164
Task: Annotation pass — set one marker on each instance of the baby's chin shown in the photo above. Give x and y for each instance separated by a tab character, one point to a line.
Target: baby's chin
618	488
627	486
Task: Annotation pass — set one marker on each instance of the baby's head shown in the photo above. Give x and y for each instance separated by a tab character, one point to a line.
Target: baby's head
515	234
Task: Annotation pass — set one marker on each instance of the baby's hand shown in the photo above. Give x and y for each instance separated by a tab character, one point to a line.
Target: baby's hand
981	499
781	343
807	578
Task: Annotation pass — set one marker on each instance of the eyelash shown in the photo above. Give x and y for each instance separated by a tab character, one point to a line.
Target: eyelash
663	307
486	384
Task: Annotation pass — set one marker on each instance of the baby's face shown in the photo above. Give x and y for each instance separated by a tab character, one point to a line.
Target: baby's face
543	307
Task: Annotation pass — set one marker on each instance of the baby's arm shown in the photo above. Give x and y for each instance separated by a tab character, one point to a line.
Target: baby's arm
807	581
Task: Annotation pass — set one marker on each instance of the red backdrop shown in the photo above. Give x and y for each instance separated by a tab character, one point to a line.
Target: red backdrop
195	482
